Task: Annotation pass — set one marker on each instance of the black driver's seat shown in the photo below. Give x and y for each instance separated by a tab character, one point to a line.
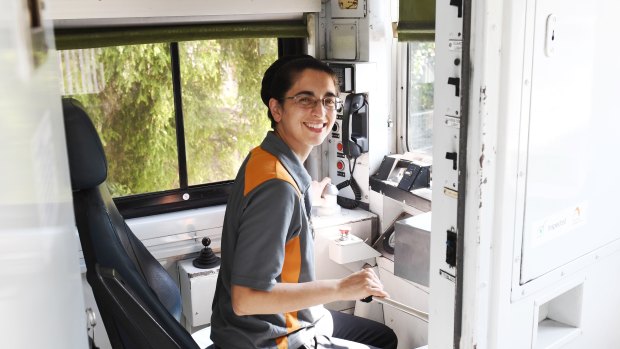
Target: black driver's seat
139	302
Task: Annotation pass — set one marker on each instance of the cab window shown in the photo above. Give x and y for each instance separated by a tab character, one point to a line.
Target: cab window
176	119
420	80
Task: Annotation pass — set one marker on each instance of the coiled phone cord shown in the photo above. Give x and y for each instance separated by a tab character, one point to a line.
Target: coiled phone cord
357	192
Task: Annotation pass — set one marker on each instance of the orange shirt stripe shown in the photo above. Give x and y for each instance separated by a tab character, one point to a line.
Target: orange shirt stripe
290	274
263	166
282	342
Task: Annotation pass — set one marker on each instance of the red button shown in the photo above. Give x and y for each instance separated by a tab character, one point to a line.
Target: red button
340	165
339	146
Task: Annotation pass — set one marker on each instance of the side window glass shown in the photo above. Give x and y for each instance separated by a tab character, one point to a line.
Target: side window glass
127	91
420	96
223	114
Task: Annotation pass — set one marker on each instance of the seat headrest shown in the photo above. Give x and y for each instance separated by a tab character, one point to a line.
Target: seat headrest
87	162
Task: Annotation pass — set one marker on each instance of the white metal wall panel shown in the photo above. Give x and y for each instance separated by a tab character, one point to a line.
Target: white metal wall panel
115	9
572	168
40	293
448	48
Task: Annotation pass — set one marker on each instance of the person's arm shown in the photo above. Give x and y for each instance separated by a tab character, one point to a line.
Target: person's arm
288	297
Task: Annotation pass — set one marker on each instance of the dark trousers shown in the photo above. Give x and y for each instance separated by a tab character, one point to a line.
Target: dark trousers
354	329
360	330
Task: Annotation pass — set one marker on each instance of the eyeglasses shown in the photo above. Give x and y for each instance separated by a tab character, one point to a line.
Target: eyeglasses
309	101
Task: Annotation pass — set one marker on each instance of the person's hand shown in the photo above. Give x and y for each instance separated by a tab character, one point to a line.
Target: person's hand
316	190
360	285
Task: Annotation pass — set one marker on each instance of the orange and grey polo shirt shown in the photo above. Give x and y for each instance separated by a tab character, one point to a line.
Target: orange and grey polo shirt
266	239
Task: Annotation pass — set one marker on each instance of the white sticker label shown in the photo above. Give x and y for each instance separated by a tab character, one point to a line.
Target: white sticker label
559	224
455	45
452	121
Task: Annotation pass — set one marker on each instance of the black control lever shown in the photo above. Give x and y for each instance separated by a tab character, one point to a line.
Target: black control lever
207	259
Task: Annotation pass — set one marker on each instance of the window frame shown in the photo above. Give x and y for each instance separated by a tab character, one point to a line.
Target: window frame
173	200
402	94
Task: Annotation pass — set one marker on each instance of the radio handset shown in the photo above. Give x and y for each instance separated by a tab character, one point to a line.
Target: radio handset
354	143
355	133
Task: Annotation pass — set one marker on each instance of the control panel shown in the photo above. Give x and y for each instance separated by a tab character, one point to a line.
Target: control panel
348	142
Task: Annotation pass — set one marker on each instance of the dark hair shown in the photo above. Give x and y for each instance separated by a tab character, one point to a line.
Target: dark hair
281	75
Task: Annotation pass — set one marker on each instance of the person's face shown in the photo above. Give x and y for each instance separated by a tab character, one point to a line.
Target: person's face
299	125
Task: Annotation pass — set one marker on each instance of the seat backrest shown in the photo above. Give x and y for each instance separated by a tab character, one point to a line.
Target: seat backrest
139	302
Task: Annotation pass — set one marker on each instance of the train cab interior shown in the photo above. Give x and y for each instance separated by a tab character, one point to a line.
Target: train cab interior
173	104
459	173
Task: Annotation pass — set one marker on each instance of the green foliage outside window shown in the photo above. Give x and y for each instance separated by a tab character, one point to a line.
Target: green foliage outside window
127	91
420	95
224	115
421	74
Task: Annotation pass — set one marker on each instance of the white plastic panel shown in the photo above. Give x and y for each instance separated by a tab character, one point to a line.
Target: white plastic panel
40	293
448	49
326	228
411	331
197	291
214	10
572	167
